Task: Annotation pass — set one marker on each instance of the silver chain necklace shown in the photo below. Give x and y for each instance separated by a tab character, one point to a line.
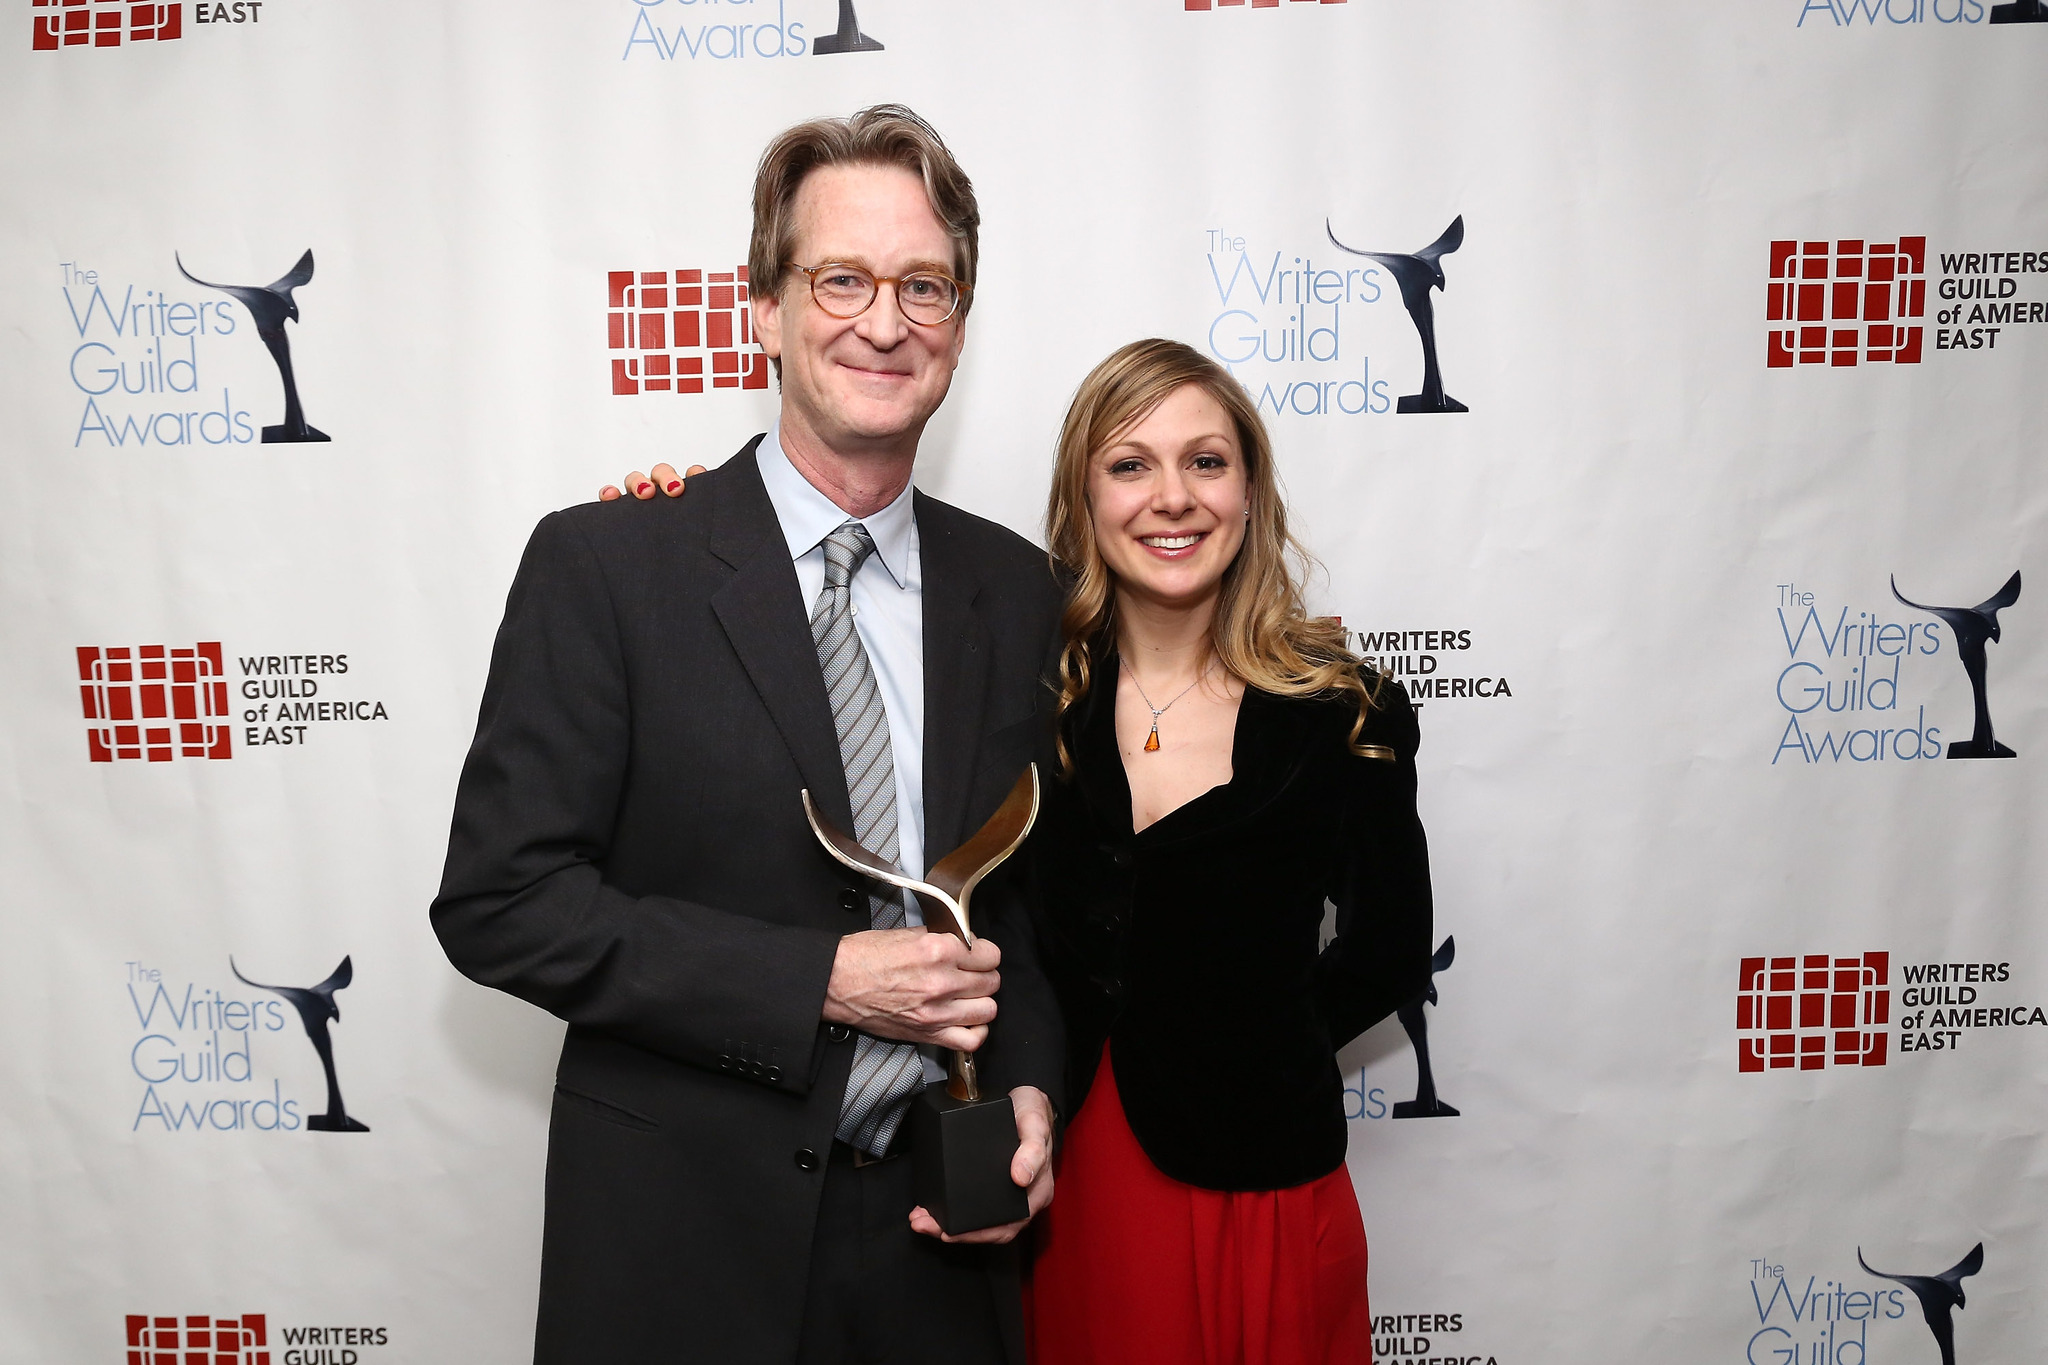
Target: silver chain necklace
1152	740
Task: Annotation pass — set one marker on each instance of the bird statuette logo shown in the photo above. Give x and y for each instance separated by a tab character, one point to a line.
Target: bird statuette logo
1974	627
1417	273
849	38
1939	1295
270	304
2020	12
316	1008
1425	1105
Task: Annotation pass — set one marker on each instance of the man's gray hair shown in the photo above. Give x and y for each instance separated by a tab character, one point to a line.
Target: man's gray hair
882	135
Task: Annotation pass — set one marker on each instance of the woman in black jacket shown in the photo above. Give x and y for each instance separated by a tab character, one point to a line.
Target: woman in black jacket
1224	767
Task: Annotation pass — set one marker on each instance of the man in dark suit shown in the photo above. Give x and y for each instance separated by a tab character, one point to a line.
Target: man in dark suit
747	1023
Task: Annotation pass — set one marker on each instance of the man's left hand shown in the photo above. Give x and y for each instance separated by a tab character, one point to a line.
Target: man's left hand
1031	1168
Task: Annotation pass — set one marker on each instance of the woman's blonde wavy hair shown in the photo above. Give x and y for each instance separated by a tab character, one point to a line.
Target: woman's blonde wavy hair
1263	635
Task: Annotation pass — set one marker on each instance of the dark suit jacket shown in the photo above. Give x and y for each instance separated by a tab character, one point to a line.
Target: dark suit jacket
1191	946
629	852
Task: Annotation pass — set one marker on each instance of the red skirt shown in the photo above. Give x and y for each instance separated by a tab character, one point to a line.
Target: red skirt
1134	1267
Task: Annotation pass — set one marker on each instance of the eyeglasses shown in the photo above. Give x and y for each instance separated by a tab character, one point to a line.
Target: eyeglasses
927	297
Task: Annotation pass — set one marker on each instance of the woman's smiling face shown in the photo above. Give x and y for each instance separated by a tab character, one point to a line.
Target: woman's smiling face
1168	498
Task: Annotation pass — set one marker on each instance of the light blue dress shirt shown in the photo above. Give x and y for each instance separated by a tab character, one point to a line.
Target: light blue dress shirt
888	614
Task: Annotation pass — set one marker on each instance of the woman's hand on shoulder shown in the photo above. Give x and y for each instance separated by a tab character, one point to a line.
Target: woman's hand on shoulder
644	486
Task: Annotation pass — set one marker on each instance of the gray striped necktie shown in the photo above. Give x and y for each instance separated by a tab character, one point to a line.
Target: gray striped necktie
885	1074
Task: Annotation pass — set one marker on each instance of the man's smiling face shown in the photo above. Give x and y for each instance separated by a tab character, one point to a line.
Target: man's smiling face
870	381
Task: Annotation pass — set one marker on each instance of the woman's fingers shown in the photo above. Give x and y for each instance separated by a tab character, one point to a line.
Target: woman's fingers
664	478
642	486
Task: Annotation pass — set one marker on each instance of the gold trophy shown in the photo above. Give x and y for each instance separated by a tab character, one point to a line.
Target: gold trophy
963	1143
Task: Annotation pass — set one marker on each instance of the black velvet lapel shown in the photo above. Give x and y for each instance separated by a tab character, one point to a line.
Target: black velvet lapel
1091	738
764	617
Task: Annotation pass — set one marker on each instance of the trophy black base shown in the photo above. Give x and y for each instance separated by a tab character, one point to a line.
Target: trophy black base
1970	748
335	1123
1423	1109
1417	402
840	42
282	433
962	1151
2020	12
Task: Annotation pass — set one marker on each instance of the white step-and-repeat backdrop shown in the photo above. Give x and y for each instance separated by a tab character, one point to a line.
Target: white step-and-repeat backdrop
1703	556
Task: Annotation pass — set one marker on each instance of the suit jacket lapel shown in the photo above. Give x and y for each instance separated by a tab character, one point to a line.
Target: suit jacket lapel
956	662
1090	727
766	620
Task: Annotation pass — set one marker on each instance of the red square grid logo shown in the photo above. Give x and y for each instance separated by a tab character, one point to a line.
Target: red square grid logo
103	23
198	1340
155	703
670	331
1801	1011
1255	4
1834	301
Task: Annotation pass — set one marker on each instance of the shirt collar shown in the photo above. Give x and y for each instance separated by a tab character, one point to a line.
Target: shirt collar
808	516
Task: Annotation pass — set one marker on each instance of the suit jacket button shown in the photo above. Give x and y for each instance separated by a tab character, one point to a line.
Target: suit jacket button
806	1159
851	901
774	1074
1122	858
838	1033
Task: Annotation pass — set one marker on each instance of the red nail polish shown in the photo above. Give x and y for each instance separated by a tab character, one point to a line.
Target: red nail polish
642	488
674	484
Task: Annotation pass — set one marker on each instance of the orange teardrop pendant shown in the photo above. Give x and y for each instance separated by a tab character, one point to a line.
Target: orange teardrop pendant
1152	740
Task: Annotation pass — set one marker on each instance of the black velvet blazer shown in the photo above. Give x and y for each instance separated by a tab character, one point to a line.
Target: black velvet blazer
1192	945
